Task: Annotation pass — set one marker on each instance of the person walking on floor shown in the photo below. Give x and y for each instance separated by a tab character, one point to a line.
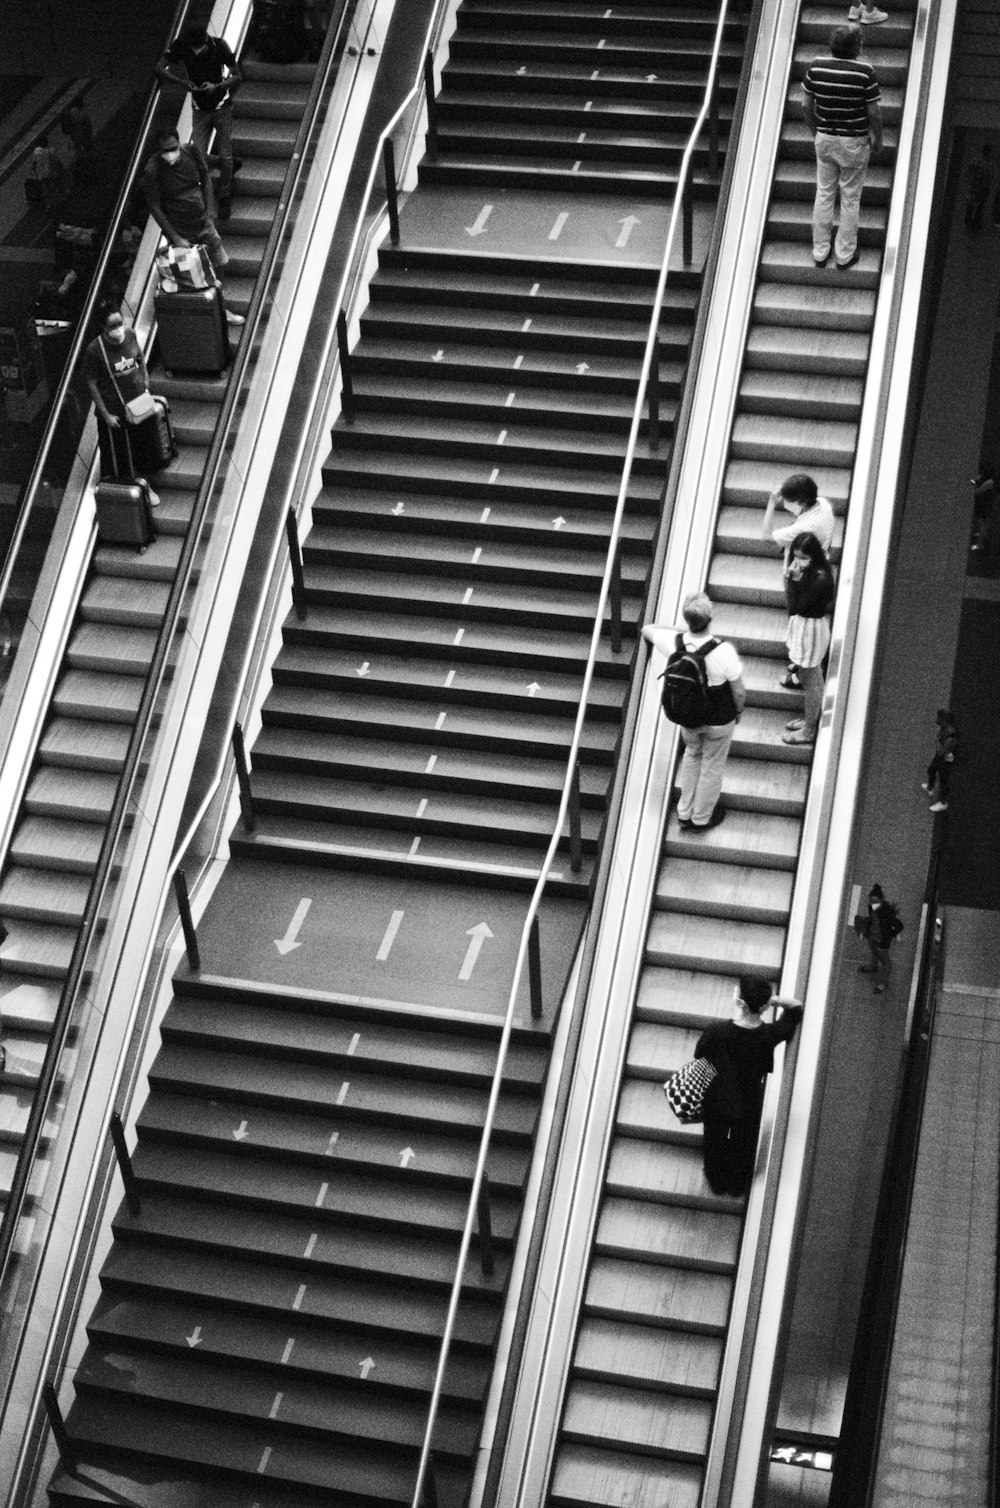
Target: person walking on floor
742	1053
939	770
841	109
880	928
210	74
809	593
706	745
799	496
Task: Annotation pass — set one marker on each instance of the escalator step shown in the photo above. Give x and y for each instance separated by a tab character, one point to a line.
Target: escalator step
638	1354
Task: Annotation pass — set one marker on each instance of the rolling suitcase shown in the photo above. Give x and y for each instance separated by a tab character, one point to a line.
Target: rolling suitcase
192	328
125	510
152	441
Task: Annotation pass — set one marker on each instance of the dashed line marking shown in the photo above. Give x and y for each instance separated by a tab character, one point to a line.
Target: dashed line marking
459	636
557	228
510	399
297	1300
430	765
440	721
286	1353
414	846
468	596
494	474
517	361
576	167
502	437
311	1245
526	325
485	515
422	807
476	554
262	1465
582	136
342	1091
353	1044
275	1406
334	1138
324	1188
534	289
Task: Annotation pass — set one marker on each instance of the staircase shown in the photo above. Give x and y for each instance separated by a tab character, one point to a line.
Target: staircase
307	1149
71	787
640	1401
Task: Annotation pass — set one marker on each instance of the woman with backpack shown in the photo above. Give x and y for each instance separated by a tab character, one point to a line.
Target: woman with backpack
809	593
742	1053
880	928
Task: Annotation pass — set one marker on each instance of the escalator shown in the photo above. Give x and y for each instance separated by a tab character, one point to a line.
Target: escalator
71	787
640	1397
269	1320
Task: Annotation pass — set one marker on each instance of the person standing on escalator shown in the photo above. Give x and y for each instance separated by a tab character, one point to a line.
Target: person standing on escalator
210	74
841	109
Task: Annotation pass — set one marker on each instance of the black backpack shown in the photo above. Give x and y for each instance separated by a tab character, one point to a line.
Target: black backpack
686	696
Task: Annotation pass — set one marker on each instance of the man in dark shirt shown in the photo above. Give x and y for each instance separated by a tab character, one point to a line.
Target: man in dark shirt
178	190
841	109
210	73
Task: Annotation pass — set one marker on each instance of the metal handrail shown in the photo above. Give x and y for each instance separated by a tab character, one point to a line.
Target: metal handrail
82	332
172	614
537	893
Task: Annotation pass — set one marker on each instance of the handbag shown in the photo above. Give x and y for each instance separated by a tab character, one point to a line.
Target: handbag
187	267
686	1089
140	408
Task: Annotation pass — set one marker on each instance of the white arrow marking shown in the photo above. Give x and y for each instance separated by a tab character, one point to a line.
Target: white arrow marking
422	808
582	367
517	362
275	1406
364	668
430	765
651	78
342	1091
297	1300
468	596
480	222
628	225
262	1466
534	688
521	71
485	515
399	508
334	1138
194	1339
286	1353
557	228
479	934
440	721
353	1045
323	1190
413	847
288	942
476	554
438	354
385	947
311	1245
526	326
510	399
557	523
406	1157
368	1365
241	1131
448	680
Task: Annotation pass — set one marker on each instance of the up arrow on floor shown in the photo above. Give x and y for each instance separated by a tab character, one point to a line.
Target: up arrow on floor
479	934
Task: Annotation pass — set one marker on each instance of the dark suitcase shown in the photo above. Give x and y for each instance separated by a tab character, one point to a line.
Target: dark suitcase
125	509
192	328
152	441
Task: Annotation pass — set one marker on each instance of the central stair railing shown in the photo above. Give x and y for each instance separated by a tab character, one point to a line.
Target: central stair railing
425	1491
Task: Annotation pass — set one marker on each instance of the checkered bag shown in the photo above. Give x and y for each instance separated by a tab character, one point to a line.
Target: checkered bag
686	1089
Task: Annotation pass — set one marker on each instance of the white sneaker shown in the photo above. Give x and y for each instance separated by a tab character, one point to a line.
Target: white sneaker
938	806
867	15
234	319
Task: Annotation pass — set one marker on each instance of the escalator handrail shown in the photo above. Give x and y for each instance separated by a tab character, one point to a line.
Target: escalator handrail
856	1459
81	335
217	451
596	636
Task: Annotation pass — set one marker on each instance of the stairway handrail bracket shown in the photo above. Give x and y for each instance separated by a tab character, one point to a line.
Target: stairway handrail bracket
539	889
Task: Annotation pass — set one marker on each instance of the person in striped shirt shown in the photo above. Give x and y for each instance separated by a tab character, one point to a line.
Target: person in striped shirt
841	108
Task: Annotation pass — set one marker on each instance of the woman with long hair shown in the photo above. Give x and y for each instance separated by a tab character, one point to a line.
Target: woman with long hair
809	593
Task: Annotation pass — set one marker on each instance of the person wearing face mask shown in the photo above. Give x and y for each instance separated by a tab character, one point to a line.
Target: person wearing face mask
178	190
115	372
809	592
812	514
206	67
879	928
742	1053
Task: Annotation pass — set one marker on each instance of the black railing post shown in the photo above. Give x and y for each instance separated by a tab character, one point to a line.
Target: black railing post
243	777
535	970
713	127
346	384
187	922
295	556
616	602
575	833
125	1164
485	1228
57	1424
653	396
687	225
391	198
432	125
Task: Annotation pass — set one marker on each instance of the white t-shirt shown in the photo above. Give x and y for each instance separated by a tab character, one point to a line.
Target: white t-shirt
722	664
817	520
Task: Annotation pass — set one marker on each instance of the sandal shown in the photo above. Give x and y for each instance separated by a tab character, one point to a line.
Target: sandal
790	681
795	724
798	738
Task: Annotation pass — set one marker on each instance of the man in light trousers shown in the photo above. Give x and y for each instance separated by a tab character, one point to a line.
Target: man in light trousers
841	109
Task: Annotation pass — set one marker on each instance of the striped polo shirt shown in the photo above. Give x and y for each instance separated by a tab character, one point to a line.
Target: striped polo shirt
842	89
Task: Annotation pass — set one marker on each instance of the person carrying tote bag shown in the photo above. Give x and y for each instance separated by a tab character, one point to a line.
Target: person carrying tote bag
118	382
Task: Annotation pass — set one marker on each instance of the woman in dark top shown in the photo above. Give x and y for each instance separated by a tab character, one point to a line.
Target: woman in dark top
809	592
742	1052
